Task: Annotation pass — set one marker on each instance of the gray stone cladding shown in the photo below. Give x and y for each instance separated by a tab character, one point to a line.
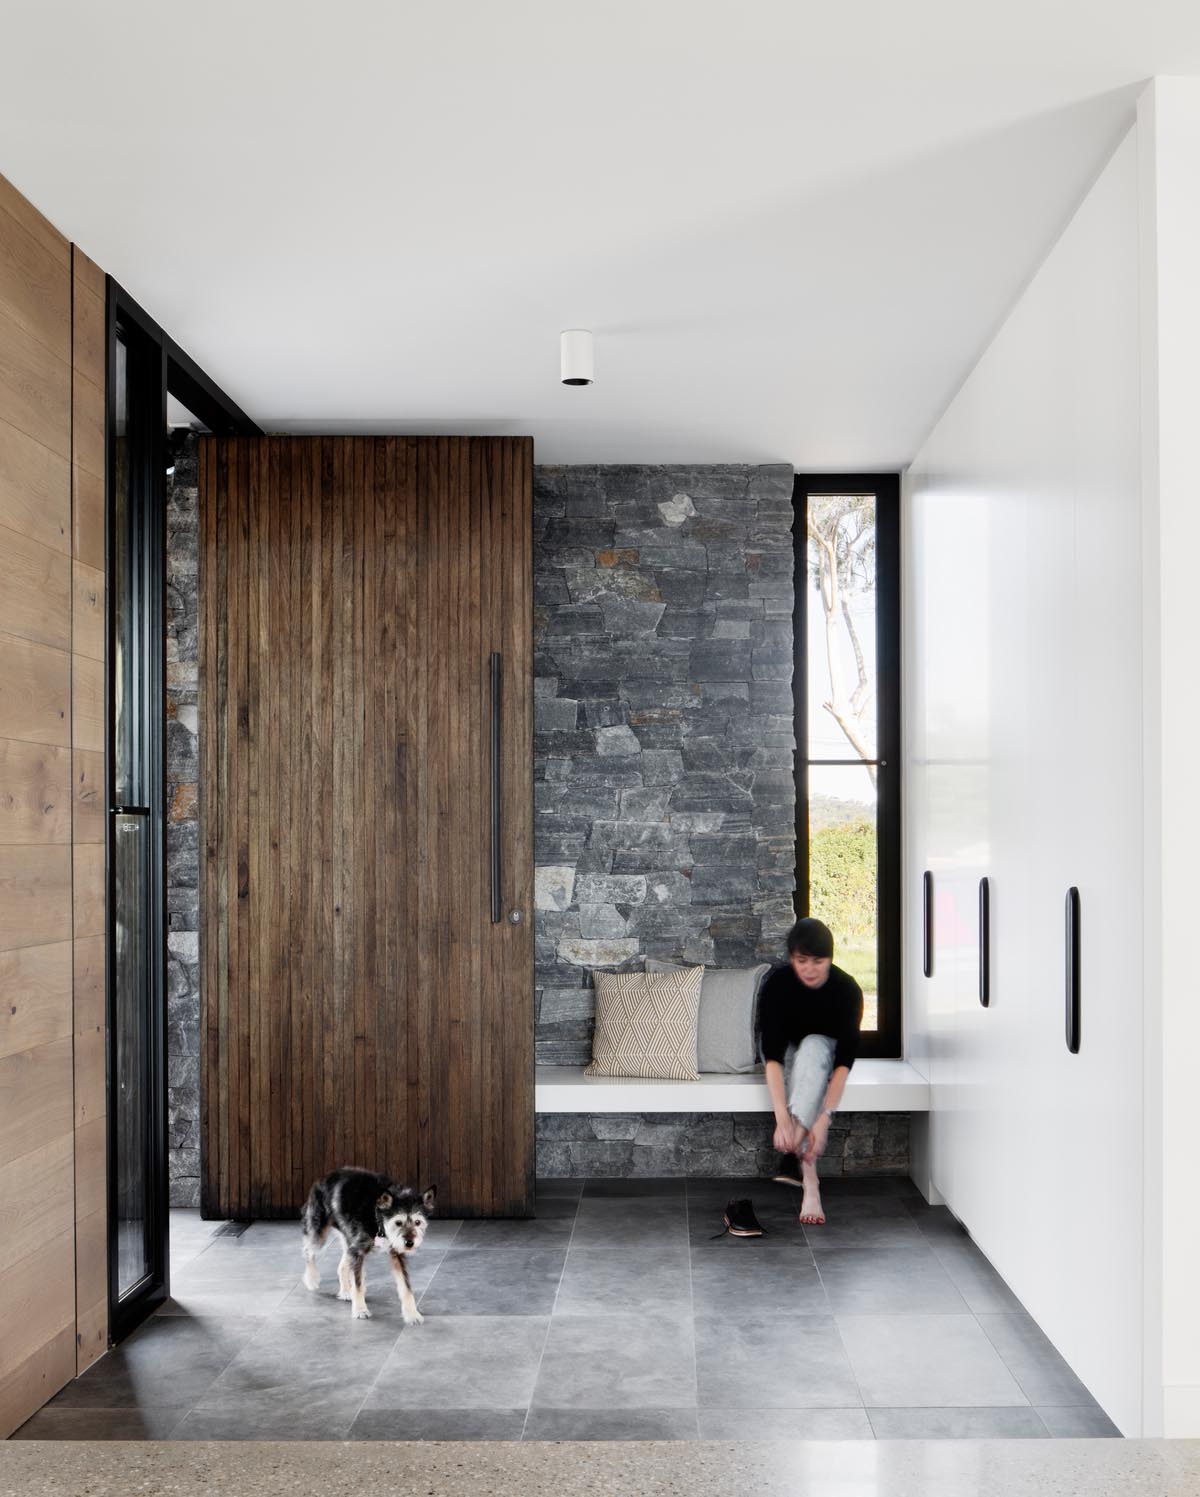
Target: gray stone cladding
663	728
709	1144
183	865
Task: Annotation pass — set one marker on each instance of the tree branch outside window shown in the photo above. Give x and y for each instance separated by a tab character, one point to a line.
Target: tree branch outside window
841	532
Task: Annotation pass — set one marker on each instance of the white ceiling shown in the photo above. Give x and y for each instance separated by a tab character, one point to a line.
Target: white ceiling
792	226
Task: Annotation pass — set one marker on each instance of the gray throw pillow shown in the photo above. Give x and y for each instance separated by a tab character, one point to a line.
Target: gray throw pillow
725	1028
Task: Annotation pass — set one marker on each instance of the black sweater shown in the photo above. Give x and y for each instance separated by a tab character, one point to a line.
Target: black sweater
788	1012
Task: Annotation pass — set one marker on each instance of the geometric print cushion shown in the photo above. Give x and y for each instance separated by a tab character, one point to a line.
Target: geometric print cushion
646	1024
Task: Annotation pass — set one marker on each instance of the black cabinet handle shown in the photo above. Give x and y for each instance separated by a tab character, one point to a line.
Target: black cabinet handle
928	923
495	844
985	942
1073	975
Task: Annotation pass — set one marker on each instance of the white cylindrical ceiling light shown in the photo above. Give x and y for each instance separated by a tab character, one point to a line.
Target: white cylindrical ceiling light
576	356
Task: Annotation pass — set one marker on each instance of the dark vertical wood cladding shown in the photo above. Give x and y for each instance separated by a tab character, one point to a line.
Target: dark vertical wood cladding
359	1005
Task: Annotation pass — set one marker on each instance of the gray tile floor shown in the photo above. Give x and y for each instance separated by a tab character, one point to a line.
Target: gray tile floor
613	1315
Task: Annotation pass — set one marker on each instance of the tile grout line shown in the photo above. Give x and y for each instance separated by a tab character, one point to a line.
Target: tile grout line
550	1318
370	1388
841	1339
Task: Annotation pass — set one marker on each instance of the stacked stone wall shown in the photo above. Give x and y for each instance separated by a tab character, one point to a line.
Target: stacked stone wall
709	1144
183	854
664	818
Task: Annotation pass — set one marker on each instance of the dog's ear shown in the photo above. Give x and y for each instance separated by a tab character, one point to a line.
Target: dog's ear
429	1197
383	1202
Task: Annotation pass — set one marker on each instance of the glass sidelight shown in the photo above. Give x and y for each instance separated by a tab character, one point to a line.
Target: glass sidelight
143	365
137	1117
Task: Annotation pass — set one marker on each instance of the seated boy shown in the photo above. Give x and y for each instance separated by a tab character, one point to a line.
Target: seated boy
809	1016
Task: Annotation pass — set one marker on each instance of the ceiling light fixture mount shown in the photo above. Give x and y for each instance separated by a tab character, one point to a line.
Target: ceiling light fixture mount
577	363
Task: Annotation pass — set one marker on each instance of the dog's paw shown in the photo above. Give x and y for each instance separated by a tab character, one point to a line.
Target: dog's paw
412	1317
361	1314
312	1280
344	1294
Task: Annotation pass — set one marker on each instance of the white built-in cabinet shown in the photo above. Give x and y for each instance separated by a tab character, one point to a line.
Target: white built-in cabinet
1023	737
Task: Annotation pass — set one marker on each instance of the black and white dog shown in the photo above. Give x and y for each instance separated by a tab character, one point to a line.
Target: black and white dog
362	1206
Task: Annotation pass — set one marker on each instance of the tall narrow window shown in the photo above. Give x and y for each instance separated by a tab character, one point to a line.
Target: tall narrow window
847	700
137	1123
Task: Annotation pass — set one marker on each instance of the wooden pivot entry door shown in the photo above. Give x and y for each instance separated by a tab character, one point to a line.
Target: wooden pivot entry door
366	818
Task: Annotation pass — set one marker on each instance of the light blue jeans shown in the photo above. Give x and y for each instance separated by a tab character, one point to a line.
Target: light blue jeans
806	1073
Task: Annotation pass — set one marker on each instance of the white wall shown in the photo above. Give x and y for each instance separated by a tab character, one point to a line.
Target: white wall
1023	710
1169	137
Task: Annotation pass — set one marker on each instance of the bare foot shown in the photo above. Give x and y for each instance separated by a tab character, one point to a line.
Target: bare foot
811	1214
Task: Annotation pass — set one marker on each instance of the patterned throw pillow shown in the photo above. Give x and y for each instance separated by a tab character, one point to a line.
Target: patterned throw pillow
646	1024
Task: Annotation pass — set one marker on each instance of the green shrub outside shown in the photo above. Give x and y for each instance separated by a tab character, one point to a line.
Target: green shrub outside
843	892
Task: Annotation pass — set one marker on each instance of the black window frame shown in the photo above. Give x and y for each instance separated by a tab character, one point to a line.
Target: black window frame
886	1042
156	364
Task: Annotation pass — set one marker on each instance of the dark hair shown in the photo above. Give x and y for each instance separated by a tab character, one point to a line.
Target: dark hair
809	937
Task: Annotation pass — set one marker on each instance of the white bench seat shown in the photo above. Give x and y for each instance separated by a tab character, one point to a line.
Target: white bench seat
874	1086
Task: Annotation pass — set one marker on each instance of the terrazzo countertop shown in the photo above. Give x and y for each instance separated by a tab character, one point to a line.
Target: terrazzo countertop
942	1468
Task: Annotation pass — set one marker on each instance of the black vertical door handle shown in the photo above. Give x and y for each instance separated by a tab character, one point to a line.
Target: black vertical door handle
927	923
985	942
1073	972
495	772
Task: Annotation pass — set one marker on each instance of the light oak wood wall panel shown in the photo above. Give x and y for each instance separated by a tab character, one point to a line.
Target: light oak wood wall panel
35	490
37	1299
35	691
88	810
37	1192
39	1376
88	889
35	896
34	223
87	622
52	644
36	585
89	348
34	293
35	792
37	388
88	418
38	1098
36	982
90	1092
88	708
91	1151
87	516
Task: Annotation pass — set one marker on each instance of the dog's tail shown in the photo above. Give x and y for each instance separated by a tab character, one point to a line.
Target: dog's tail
316	1225
316	1216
